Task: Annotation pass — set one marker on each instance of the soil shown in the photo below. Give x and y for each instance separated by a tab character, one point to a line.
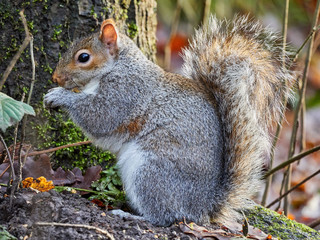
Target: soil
31	211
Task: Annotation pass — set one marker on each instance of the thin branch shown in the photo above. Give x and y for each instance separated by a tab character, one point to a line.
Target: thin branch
293	188
24	121
302	142
174	27
313	30
34	153
206	11
281	190
314	223
9	156
16	133
5	170
299	105
16	181
292	160
105	232
33	70
18	54
284	101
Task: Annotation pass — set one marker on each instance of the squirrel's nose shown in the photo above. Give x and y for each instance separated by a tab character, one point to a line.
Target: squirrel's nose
58	79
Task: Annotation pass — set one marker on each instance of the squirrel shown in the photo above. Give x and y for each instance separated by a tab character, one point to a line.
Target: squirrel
189	146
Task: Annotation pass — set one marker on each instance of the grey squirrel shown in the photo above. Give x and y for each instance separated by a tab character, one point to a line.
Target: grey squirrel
188	146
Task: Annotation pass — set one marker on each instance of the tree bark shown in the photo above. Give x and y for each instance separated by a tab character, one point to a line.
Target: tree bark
55	24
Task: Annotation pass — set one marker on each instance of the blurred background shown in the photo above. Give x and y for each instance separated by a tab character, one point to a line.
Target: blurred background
177	21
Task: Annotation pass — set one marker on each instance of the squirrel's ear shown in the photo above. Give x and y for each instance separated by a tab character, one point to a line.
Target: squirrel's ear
109	36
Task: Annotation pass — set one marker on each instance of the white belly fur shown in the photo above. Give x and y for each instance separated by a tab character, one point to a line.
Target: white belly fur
129	159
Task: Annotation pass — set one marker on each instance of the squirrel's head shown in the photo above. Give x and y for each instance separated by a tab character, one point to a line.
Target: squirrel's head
88	58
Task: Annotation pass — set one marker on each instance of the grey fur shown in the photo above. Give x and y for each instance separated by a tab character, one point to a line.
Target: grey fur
199	145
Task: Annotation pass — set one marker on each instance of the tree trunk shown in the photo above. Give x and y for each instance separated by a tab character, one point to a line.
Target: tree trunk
54	25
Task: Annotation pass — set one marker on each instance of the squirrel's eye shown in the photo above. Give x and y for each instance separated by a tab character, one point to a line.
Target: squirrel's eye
84	57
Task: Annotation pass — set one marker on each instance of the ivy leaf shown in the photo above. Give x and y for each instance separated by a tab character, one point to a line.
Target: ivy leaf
12	111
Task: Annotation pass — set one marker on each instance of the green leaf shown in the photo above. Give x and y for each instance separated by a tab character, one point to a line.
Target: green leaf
12	111
4	235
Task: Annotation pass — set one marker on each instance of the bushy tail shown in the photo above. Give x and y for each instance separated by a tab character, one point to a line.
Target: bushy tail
241	63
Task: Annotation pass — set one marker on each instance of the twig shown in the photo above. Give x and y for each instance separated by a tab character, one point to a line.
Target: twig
314	223
59	188
281	190
302	142
34	153
5	170
76	226
174	27
299	105
33	70
291	160
313	30
17	181
206	11
24	160
293	188
288	178
24	121
284	102
18	54
9	156
16	134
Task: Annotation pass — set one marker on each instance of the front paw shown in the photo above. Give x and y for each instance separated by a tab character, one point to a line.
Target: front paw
55	97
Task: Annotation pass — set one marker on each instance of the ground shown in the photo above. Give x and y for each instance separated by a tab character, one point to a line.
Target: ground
30	209
52	215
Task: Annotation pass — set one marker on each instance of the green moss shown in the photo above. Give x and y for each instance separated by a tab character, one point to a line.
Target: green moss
30	25
123	14
279	225
62	44
125	4
47	68
57	130
132	30
56	32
